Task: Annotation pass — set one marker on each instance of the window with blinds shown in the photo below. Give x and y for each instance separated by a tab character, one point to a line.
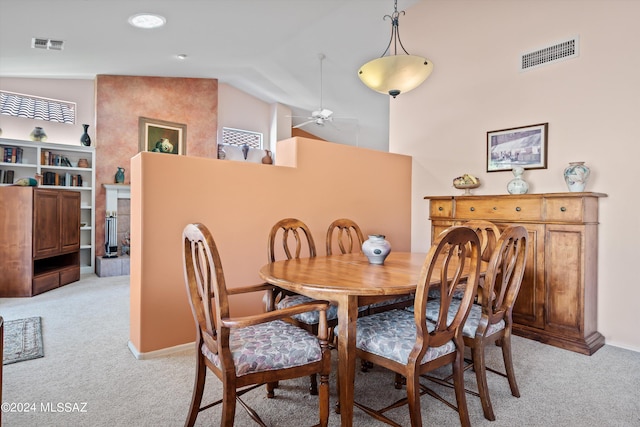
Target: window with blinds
35	107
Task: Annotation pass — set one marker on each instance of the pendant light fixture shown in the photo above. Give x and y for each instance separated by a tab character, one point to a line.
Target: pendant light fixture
395	74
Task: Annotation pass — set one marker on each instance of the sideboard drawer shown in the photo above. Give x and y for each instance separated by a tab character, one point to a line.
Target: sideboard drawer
564	209
441	208
516	209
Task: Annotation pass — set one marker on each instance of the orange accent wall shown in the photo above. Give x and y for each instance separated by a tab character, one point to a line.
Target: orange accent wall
312	180
121	100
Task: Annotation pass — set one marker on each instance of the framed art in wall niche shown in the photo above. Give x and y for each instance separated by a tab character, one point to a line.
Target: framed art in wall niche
161	136
524	146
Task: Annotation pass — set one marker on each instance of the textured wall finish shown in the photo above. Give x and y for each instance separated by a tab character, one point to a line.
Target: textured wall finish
121	100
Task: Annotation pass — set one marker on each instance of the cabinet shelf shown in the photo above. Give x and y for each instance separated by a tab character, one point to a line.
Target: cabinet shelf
18	165
67	187
34	157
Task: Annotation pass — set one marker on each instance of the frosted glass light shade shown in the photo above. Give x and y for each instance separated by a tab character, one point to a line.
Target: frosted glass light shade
395	74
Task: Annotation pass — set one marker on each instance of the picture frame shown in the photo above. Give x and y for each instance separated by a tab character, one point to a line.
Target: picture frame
524	146
162	136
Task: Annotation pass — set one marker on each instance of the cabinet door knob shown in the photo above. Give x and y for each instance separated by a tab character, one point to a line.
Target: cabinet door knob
518	209
472	209
440	208
563	209
495	209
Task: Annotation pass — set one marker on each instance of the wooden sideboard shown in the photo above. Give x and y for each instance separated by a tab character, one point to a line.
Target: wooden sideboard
557	303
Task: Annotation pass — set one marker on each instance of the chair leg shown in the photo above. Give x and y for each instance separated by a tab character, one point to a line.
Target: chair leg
337	405
458	384
365	365
508	364
399	381
481	378
271	389
228	403
413	398
198	389
313	388
323	400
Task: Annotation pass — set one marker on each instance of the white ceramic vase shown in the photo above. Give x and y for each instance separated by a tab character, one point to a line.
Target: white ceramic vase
576	176
517	185
376	248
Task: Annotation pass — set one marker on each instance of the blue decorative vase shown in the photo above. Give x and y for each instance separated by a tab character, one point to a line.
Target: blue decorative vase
120	175
576	176
376	248
85	139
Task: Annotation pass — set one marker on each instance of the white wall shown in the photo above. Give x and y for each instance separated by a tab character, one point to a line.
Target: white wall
239	110
591	104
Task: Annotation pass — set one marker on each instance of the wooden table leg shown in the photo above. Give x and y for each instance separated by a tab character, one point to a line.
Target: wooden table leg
347	316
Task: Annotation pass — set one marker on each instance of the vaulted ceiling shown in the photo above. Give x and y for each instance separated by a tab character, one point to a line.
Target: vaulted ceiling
267	48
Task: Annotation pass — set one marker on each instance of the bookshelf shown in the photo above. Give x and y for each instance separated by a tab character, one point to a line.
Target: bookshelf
60	166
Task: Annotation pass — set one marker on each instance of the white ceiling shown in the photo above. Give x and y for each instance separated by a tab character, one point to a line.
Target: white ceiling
267	48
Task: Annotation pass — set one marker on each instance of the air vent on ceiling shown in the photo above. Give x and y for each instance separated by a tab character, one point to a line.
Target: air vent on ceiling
49	44
560	51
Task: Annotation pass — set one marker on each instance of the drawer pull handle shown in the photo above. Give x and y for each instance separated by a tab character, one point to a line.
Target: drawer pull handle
563	209
518	209
472	209
440	208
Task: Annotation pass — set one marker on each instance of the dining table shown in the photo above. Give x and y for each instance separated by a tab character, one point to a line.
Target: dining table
349	281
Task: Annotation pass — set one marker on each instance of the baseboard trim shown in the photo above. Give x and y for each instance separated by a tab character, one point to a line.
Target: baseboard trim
159	353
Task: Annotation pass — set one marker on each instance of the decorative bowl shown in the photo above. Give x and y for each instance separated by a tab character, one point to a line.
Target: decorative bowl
466	187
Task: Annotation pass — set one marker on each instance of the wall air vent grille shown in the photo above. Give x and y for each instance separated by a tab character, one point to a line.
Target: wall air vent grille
39	43
239	137
560	51
56	44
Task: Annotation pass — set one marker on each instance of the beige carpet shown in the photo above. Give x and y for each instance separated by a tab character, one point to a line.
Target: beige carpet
89	370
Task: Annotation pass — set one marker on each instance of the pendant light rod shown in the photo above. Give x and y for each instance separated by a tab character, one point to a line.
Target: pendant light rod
395	33
321	56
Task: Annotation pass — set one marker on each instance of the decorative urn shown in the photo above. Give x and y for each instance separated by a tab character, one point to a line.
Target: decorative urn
376	248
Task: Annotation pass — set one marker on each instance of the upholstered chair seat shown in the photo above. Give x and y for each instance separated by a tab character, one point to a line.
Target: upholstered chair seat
269	346
392	335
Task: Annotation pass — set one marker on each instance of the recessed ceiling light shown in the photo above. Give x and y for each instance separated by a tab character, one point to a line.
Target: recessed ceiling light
147	20
182	56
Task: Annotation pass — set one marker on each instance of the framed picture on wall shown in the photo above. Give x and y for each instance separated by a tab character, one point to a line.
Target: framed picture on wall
161	136
524	146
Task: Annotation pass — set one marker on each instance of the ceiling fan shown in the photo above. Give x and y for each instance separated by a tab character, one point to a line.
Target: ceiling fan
322	115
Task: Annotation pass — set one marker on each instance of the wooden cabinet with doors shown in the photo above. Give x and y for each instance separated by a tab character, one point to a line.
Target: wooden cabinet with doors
39	240
557	303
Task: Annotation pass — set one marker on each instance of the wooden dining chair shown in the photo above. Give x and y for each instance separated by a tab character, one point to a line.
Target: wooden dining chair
246	352
295	240
346	234
488	233
490	321
409	344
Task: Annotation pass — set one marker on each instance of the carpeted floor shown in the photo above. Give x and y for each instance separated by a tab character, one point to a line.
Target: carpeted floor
91	373
22	340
